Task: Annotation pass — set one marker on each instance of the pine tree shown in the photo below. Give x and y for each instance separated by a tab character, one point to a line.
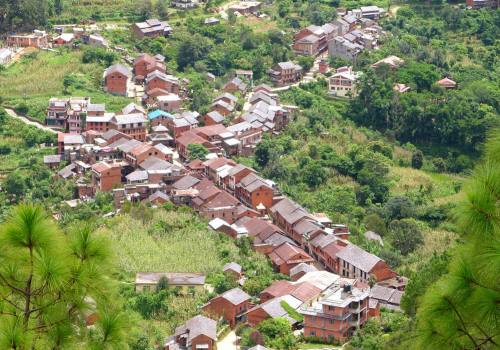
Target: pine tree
461	310
49	282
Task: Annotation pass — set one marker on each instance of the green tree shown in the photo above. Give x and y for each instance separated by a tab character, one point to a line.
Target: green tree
58	6
460	311
399	207
277	333
426	274
48	280
15	184
161	9
405	235
197	151
306	62
374	222
314	174
417	159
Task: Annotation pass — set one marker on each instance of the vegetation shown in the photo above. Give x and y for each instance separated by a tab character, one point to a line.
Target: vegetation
164	240
435	42
50	281
197	151
275	333
22	172
43	75
460	310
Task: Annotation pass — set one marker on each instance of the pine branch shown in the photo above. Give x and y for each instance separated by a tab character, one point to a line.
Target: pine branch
464	330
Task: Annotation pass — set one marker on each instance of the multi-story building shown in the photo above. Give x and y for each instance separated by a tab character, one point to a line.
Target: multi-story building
133	125
354	262
343	82
38	39
254	191
105	175
57	113
159	80
231	305
343	48
336	315
285	73
313	40
117	79
198	333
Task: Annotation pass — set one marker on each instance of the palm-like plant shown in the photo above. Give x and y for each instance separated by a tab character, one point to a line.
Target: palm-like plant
462	310
49	281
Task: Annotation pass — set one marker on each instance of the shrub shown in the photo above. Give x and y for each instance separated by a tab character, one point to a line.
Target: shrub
22	108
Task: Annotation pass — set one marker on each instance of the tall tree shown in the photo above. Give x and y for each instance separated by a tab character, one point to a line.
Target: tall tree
461	311
49	281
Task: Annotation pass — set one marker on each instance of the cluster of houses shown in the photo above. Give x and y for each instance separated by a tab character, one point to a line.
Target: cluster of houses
148	151
330	277
41	39
345	37
150	74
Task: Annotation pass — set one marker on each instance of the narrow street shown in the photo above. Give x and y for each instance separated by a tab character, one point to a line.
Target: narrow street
25	120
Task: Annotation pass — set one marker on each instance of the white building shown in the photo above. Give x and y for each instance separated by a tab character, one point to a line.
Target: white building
5	56
343	82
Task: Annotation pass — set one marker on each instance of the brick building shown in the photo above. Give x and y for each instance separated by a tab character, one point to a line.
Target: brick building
105	176
337	314
230	305
254	191
199	332
117	79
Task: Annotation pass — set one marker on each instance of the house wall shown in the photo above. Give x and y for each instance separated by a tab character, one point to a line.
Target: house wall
220	307
116	83
229	215
382	271
200	340
140	68
97	126
157	83
109	178
256	316
316	326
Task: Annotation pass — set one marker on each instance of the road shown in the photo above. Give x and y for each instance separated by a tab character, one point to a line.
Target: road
29	122
228	343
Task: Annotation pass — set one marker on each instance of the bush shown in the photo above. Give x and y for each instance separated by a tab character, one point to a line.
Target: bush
406	235
417	159
22	108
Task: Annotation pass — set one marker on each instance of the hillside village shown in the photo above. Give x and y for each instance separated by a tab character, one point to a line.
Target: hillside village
157	152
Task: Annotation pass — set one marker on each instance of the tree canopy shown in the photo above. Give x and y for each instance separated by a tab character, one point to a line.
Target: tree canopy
50	282
460	311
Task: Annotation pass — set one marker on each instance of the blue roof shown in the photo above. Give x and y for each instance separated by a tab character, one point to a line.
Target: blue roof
158	113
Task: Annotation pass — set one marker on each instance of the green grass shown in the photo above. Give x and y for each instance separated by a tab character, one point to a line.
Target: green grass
442	185
35	79
171	241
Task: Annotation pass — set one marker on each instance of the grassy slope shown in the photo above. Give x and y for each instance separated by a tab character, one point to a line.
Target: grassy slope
186	246
35	80
172	241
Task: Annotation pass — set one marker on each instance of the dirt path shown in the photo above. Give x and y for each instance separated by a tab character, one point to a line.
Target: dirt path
228	343
29	122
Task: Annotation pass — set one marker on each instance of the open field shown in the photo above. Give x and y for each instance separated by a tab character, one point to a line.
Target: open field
170	241
442	186
39	76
